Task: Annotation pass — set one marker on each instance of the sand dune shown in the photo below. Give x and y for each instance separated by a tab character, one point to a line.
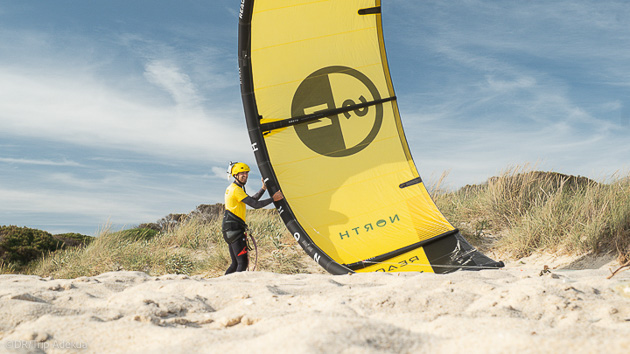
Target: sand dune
510	310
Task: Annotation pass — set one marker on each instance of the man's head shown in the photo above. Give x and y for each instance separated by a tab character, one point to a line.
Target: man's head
240	172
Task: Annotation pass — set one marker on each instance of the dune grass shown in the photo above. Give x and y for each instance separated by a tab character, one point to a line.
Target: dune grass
531	211
193	247
7	268
516	214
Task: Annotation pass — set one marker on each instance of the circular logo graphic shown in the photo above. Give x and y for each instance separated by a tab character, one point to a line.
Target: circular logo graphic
343	134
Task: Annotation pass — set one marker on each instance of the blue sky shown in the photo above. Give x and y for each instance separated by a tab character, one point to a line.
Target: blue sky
121	112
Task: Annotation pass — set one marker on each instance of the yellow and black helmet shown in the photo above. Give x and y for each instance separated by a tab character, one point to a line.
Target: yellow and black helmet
237	167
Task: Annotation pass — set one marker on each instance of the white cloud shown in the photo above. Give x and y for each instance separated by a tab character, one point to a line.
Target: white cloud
83	111
171	79
504	86
219	173
61	202
111	181
38	162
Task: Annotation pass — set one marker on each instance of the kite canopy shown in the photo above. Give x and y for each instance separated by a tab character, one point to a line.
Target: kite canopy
325	128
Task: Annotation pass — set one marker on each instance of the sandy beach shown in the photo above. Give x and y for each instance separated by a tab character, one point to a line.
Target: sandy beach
519	309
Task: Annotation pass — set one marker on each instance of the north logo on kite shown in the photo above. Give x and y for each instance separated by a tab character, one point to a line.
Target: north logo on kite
333	88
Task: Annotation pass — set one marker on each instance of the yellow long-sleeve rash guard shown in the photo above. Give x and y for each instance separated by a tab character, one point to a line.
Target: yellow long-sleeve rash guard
236	198
234	195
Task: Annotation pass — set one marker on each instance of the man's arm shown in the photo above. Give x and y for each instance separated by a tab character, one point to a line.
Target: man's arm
257	204
258	194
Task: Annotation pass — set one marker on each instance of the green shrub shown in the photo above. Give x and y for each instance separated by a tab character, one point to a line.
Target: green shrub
72	239
20	245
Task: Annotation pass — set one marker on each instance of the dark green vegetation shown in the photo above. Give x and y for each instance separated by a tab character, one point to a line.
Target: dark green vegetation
21	245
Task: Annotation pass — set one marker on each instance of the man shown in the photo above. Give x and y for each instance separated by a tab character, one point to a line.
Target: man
234	225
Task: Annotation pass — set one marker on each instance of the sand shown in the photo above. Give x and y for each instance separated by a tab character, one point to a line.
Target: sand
512	310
